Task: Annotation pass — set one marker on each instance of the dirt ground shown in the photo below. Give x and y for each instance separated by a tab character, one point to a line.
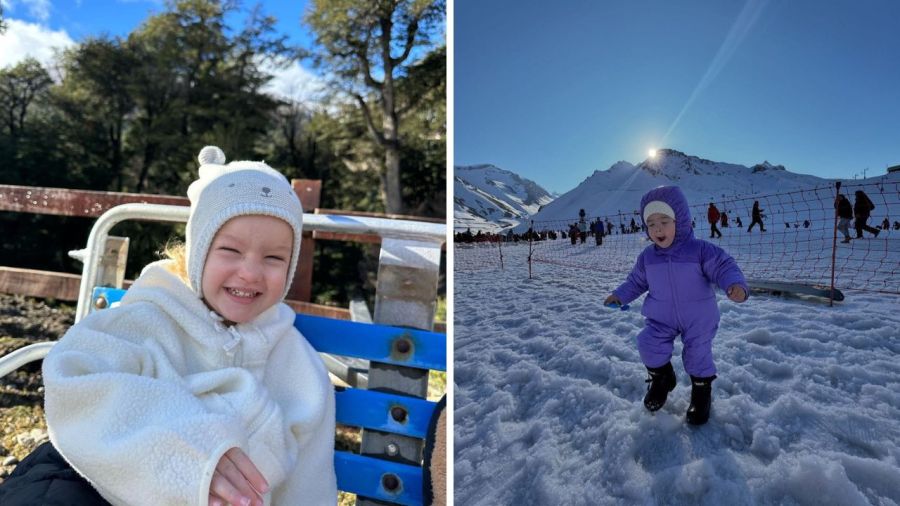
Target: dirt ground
24	321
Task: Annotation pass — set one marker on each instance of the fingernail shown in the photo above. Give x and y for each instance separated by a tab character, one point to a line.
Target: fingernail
245	501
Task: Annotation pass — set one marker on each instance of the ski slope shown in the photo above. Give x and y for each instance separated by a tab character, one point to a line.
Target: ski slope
549	384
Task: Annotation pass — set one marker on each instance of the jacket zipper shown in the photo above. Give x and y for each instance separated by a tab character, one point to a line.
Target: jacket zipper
674	295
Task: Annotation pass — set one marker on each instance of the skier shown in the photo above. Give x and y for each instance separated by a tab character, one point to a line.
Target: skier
845	214
756	215
862	209
597	228
677	269
713	216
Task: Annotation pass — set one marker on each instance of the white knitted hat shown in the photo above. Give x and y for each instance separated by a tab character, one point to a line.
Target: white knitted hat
225	191
658	206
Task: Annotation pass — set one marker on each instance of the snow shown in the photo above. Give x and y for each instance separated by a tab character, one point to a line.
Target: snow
549	389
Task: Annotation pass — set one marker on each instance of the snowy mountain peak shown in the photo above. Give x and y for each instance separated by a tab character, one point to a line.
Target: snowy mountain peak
489	198
759	167
481	166
619	188
618	166
673	164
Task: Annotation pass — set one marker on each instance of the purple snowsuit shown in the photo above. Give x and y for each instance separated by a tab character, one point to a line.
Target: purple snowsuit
681	299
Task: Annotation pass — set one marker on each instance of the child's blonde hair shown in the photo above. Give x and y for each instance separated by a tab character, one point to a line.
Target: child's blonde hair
177	253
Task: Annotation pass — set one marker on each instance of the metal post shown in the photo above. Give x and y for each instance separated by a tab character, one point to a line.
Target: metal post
530	249
837	190
405	295
111	271
99	233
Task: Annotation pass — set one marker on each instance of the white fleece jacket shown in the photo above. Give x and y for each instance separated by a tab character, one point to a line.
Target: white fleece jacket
143	399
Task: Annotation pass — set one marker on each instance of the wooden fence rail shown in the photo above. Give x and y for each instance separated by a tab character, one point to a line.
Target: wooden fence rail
91	204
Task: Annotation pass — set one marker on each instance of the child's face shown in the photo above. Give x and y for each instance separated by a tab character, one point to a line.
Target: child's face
662	229
246	267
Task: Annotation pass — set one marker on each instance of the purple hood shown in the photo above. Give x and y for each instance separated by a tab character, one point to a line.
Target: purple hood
673	196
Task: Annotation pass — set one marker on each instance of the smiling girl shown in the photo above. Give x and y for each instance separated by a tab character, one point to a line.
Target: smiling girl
197	389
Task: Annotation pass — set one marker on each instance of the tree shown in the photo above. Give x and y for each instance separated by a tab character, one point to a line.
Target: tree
197	85
367	46
20	86
95	103
424	134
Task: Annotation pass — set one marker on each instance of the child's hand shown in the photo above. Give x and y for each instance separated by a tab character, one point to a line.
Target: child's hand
237	481
612	299
736	293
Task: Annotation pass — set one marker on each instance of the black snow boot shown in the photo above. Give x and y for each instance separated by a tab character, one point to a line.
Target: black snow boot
701	400
661	382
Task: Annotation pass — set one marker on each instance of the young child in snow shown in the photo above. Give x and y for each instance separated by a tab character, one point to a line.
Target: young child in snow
677	269
198	389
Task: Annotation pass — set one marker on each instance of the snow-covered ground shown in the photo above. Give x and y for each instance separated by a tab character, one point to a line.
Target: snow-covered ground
549	384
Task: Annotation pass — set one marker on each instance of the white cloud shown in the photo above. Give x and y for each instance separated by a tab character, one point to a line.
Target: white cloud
38	9
294	82
23	39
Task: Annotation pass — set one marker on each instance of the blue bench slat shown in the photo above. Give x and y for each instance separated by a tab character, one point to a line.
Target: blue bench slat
373	341
372	410
363	476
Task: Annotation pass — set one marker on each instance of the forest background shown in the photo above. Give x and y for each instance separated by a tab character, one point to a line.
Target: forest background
130	114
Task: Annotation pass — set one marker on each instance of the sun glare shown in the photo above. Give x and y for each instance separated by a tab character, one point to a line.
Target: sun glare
651	153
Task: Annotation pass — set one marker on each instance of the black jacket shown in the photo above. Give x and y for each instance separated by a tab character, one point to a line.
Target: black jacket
863	206
45	478
844	209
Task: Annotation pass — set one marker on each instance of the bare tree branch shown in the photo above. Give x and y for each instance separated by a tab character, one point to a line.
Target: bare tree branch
378	135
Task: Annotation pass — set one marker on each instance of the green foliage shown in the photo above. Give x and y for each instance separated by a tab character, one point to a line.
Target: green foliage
21	87
423	98
367	47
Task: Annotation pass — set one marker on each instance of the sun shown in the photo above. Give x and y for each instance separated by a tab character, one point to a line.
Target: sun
651	153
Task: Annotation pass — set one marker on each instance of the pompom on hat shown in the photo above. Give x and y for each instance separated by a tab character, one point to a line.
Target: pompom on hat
223	192
658	206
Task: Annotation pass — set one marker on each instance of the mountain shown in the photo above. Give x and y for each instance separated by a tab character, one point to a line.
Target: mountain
620	188
490	199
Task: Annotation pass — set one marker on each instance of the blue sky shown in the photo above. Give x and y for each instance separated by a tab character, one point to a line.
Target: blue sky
80	18
37	26
554	93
